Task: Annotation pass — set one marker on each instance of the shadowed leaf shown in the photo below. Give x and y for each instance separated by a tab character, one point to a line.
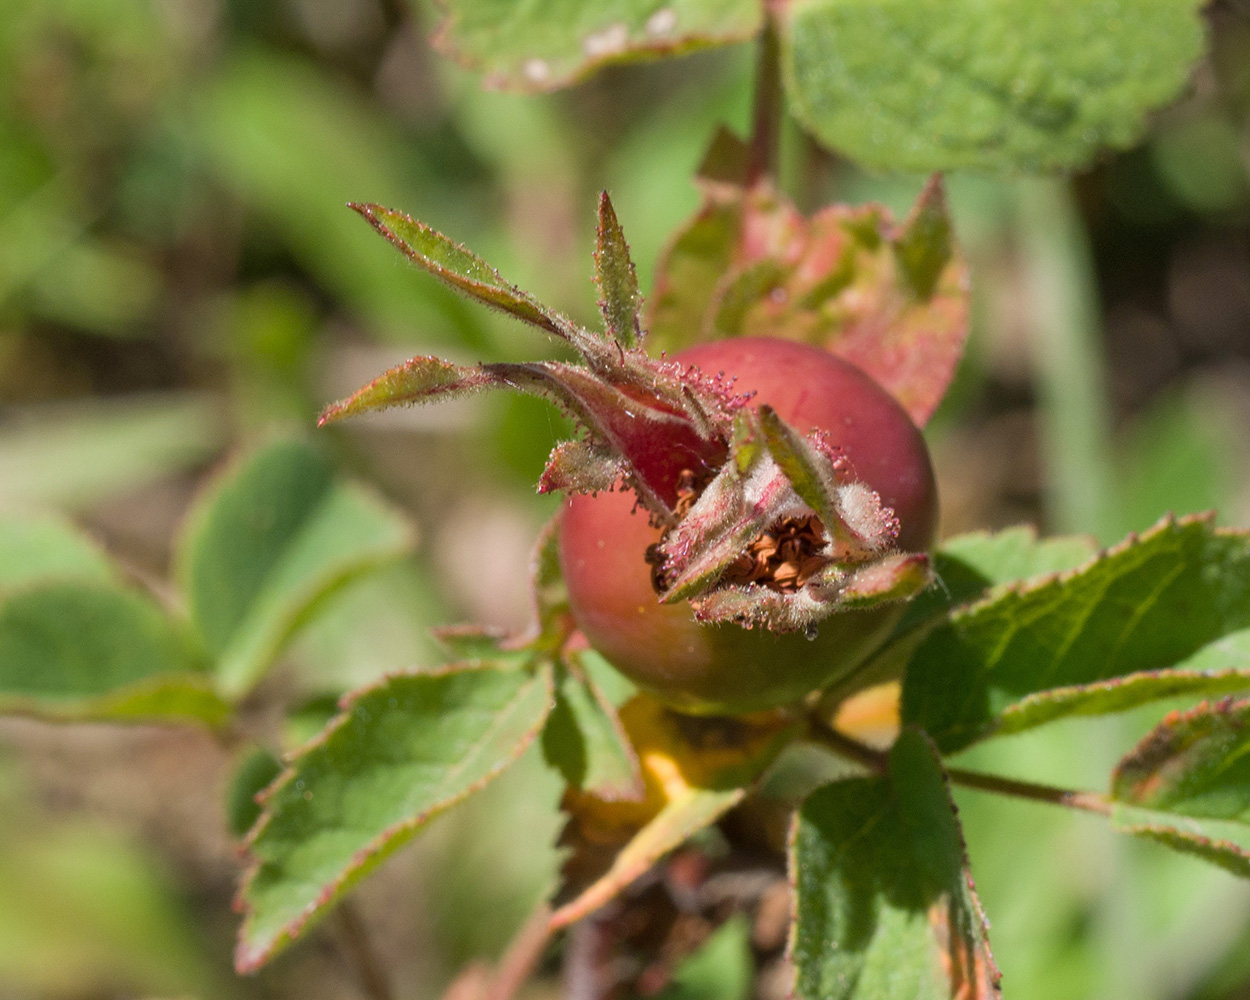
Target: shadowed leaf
1007	85
1146	605
885	907
618	281
585	741
401	753
551	43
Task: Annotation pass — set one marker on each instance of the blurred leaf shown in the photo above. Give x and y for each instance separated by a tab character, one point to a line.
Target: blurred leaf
1145	605
261	125
585	741
891	299
257	769
1202	160
83	913
1065	337
78	454
617	279
1174	457
549	44
84	649
396	606
266	542
721	969
401	753
885	905
97	287
1191	768
1007	85
38	548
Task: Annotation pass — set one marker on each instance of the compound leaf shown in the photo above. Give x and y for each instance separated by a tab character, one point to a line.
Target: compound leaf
885	908
1146	605
551	43
270	539
399	754
1006	85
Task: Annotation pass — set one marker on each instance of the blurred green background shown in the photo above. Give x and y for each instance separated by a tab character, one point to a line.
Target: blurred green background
179	276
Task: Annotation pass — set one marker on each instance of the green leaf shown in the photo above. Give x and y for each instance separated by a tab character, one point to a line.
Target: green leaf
90	650
1187	784
617	279
552	43
401	753
1004	85
34	549
1221	667
252	775
885	908
585	741
75	455
269	540
1146	605
1193	763
966	566
891	299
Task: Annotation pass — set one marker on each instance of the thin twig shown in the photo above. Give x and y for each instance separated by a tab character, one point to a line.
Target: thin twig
360	951
767	111
877	761
1088	801
522	956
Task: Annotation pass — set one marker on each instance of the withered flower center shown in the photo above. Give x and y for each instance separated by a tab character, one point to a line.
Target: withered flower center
783	558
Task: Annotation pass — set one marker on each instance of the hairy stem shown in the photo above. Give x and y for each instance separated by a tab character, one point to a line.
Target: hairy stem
877	761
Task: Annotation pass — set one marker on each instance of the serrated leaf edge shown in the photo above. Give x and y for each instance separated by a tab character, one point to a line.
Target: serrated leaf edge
250	959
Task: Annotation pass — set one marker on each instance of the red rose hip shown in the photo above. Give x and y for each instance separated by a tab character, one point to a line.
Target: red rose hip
724	668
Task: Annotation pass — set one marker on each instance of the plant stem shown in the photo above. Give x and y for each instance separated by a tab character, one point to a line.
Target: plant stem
360	951
1067	354
1087	801
522	956
767	111
877	761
